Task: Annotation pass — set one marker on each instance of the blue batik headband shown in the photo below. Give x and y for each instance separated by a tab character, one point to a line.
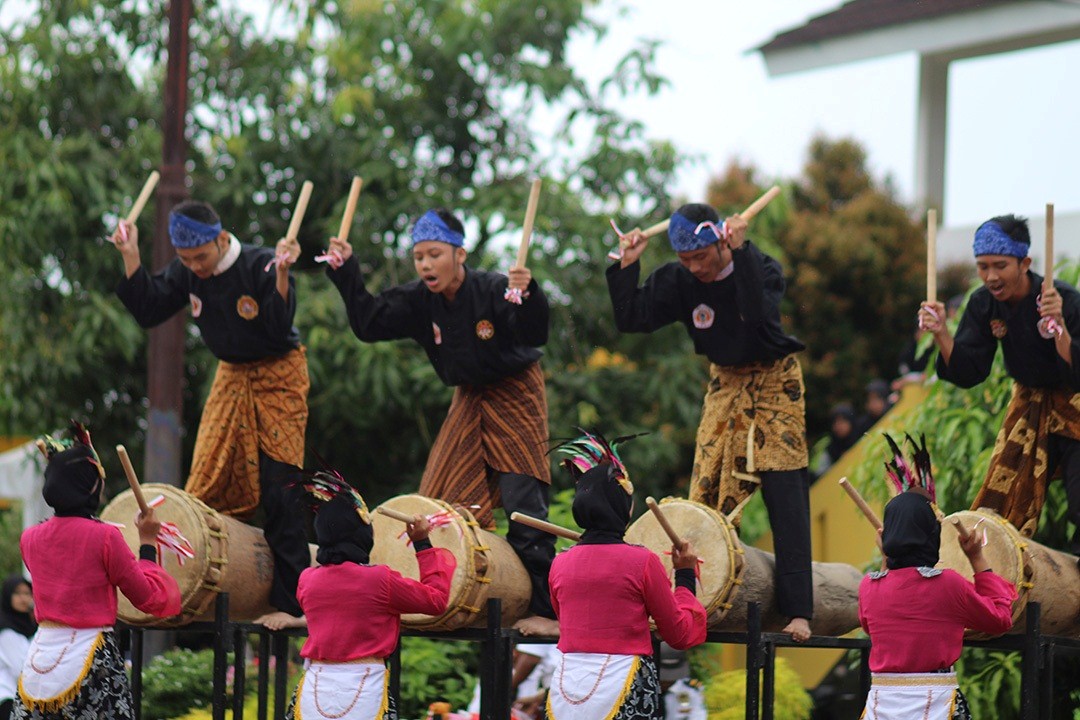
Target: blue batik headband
185	232
432	227
686	235
990	239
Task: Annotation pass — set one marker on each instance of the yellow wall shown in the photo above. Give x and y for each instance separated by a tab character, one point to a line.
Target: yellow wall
838	533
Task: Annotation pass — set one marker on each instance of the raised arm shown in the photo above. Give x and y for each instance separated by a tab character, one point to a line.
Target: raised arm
971	351
390	315
644	309
680	617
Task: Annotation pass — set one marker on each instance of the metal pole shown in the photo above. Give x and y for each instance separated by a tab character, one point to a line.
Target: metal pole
264	673
239	670
136	635
221	660
166	352
754	659
1029	676
768	689
281	675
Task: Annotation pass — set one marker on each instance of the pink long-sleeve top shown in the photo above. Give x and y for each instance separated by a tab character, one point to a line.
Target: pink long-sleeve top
77	564
916	623
354	611
604	596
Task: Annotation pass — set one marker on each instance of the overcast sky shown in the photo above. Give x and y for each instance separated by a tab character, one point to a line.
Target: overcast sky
1012	119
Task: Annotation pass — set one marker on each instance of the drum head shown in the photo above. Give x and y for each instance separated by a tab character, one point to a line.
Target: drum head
1004	549
713	538
189	516
393	548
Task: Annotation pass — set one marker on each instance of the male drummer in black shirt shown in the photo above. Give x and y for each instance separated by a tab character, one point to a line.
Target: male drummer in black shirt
1037	327
491	447
727	294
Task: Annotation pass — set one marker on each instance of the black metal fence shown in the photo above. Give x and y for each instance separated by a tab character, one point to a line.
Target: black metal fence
496	662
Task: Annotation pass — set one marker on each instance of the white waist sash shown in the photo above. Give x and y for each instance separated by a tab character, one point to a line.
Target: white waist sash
591	685
898	696
343	691
57	663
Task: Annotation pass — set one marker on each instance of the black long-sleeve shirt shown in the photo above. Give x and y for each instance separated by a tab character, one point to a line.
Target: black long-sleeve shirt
733	321
239	313
477	339
1030	359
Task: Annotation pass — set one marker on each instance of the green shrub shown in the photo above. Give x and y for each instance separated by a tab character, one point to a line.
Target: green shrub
177	681
435	669
725	695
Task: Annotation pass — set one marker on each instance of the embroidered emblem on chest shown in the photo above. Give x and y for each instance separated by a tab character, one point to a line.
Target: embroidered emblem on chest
437	333
998	328
703	317
196	305
247	308
485	330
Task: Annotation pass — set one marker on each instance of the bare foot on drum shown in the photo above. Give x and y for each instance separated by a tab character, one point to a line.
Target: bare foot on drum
279	620
536	625
799	629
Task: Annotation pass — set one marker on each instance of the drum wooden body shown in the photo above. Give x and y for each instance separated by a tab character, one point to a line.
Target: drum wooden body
229	557
732	574
1039	573
487	567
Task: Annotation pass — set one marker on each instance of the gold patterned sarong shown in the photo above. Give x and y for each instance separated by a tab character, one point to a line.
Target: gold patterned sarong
1015	483
252	406
502	426
753	420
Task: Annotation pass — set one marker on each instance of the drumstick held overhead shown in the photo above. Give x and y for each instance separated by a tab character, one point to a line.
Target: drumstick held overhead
350	209
747	214
552	528
662	519
931	255
40	444
133	480
144	196
517	295
301	208
1048	276
964	534
858	499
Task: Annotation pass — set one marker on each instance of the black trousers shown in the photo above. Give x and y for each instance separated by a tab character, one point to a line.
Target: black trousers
1064	453
536	548
283	527
787	500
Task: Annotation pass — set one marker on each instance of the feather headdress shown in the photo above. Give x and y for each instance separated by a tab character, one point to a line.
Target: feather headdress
592	449
915	475
79	434
325	485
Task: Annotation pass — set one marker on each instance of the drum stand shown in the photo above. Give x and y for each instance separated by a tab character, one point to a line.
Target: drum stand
496	661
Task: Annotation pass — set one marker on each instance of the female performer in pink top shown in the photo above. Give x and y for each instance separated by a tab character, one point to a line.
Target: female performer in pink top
604	591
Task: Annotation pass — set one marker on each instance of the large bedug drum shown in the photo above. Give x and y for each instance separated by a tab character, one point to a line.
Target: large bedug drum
732	574
229	557
487	567
1041	574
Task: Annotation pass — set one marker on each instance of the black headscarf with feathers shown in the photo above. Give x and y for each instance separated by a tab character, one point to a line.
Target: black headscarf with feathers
342	535
73	482
21	622
601	506
911	535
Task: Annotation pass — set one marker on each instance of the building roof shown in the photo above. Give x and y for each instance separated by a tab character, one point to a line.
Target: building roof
859	16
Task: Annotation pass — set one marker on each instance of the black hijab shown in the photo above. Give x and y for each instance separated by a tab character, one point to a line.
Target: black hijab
21	622
912	533
601	506
341	534
73	482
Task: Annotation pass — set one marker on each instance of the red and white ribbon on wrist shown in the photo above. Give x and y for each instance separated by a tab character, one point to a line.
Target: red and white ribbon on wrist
515	295
170	538
616	253
332	258
279	258
922	322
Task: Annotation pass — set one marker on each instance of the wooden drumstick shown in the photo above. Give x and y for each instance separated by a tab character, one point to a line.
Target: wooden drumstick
747	214
964	534
527	226
1048	278
662	519
41	447
931	255
350	209
552	528
855	496
301	208
133	480
144	196
395	514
